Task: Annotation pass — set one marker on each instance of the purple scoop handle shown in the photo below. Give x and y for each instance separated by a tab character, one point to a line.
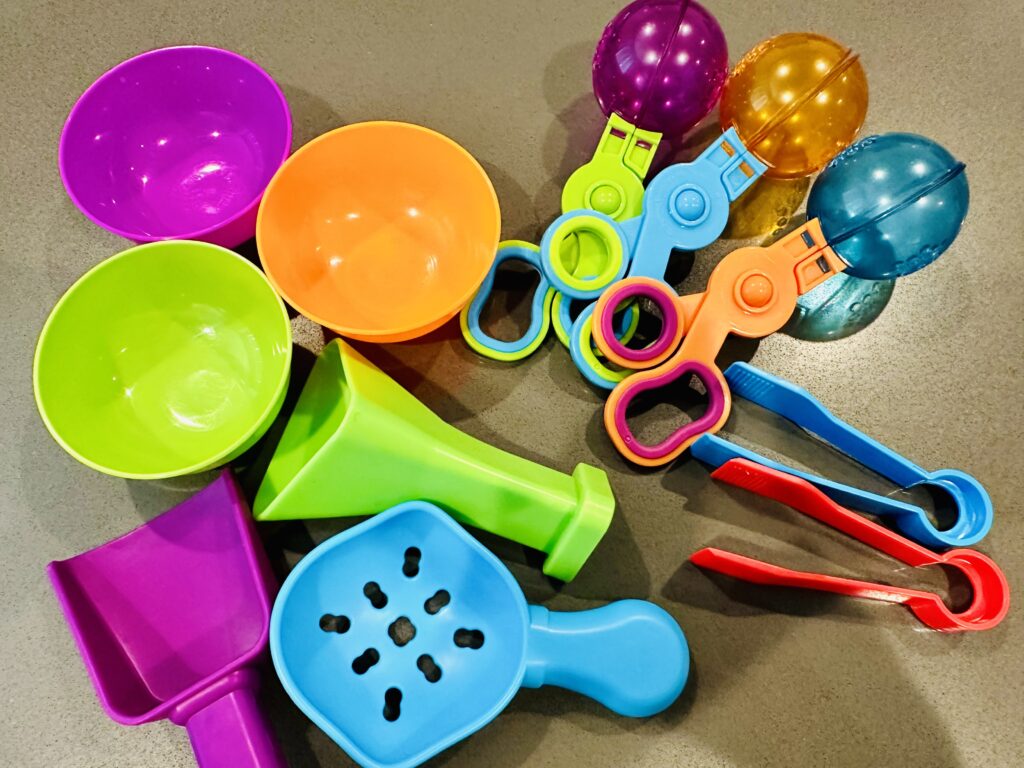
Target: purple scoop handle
233	732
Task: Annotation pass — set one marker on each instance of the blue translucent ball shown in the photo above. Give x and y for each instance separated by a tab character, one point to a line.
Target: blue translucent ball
891	204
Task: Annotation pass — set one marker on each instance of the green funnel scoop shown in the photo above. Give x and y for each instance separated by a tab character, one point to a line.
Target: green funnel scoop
358	443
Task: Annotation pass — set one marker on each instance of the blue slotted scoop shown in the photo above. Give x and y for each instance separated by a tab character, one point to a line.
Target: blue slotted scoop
403	635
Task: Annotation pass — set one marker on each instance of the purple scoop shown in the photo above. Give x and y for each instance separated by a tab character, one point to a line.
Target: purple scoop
661	65
176	143
172	621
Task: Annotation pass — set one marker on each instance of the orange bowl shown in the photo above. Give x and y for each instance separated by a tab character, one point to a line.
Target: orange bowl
379	231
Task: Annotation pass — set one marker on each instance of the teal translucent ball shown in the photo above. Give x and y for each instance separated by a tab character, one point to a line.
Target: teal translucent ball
891	204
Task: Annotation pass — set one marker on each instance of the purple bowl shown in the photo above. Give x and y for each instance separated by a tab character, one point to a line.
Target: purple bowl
176	143
661	65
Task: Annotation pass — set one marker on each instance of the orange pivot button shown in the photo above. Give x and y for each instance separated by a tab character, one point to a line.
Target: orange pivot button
756	291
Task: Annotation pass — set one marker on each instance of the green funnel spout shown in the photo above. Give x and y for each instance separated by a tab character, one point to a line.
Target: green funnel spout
358	443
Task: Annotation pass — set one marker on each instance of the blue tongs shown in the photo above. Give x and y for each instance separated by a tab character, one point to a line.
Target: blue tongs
972	502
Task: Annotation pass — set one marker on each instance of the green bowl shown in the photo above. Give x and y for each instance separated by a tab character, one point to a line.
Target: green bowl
164	360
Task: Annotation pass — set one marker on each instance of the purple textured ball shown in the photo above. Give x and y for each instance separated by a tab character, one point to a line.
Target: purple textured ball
661	65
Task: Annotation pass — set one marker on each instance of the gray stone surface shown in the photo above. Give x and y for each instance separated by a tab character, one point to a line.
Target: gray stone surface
780	679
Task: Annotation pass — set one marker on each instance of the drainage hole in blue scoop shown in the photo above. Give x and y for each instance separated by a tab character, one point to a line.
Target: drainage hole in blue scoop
439	600
411	566
365	660
331	623
374	594
469	638
429	668
392	704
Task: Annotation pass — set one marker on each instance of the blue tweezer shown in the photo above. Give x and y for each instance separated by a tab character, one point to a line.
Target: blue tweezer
973	505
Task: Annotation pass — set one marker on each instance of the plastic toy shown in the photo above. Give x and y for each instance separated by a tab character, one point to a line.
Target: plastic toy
660	64
658	70
990	599
540	310
166	359
403	635
791	104
753	291
176	143
892	204
972	503
357	232
685	207
358	443
796	100
172	622
677	211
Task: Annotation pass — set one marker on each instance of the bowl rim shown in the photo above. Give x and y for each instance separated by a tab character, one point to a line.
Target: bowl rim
199	234
411	331
212	461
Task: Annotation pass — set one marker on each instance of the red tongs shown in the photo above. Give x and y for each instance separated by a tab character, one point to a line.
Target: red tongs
991	593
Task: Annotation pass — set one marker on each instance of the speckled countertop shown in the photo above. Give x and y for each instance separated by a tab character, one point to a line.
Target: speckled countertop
780	678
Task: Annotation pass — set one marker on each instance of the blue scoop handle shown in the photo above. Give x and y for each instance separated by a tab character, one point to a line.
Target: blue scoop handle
630	655
974	507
